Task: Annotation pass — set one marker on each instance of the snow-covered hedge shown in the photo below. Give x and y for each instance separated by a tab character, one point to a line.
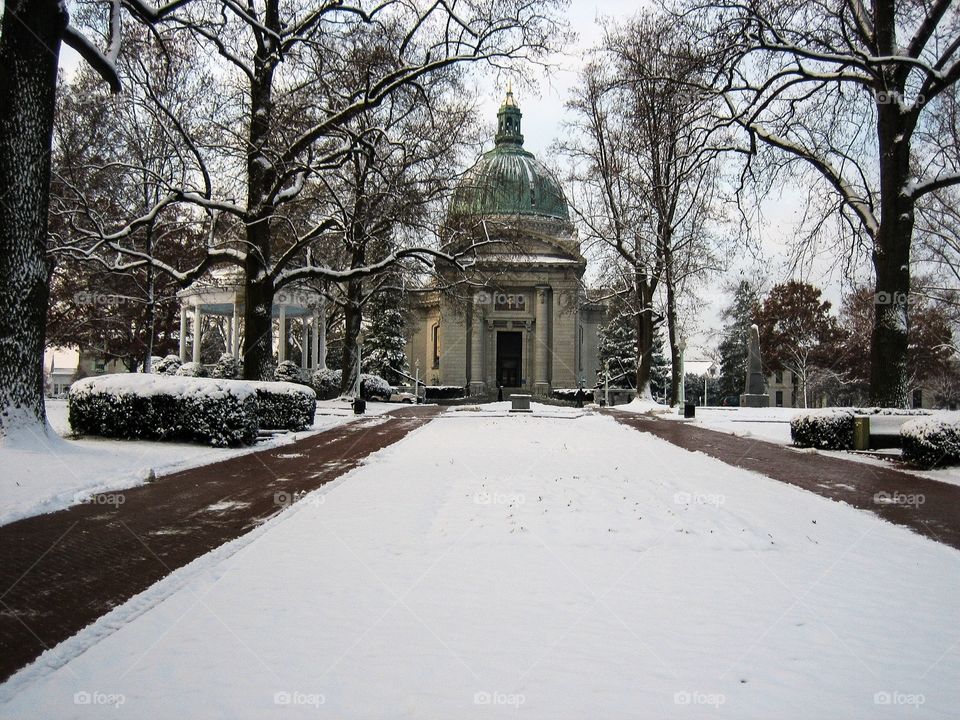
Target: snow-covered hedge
326	383
284	405
227	367
890	411
191	369
288	371
160	407
825	430
374	386
570	394
929	443
167	366
443	392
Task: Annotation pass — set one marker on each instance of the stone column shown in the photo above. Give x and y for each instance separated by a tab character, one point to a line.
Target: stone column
196	332
183	333
282	335
235	323
477	386
541	385
320	337
305	347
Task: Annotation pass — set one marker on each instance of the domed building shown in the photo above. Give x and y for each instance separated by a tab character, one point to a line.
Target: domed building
519	323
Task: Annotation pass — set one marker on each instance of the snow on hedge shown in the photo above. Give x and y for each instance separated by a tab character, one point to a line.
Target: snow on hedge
929	443
284	405
374	386
823	429
163	407
443	392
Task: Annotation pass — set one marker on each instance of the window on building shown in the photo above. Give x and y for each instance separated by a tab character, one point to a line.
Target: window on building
778	377
435	340
779	398
918	398
100	365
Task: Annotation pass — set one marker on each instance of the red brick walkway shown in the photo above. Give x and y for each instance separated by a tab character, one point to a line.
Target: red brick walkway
61	571
855	483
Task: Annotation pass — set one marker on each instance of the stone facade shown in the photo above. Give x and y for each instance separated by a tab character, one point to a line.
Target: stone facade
523	324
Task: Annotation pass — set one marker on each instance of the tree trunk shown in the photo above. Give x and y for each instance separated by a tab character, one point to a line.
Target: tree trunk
353	319
257	324
672	333
258	284
151	315
645	332
29	51
891	262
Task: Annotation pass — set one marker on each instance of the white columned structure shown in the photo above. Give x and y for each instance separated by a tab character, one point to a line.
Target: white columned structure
183	333
282	339
196	332
304	338
315	342
477	386
541	382
320	338
235	322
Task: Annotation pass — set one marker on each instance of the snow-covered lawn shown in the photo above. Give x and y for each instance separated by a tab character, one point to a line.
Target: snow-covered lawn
488	566
42	474
773	425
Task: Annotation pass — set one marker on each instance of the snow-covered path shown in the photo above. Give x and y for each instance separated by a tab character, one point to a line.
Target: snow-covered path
559	568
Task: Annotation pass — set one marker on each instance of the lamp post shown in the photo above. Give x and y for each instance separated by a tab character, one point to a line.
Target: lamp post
682	394
711	373
416	385
606	383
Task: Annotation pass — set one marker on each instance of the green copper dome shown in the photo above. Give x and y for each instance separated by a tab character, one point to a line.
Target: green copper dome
508	180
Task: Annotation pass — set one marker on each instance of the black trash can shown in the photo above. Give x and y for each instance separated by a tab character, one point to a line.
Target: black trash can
689	410
359	406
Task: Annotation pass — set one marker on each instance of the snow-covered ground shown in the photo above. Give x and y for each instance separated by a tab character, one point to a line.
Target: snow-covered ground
42	474
773	425
491	565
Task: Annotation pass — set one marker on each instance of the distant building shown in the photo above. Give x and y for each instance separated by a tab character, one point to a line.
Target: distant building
523	324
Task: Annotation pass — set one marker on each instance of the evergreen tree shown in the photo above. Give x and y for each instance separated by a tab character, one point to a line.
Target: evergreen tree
738	316
618	345
659	369
384	345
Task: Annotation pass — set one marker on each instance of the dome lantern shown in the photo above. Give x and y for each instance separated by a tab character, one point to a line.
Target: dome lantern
508	122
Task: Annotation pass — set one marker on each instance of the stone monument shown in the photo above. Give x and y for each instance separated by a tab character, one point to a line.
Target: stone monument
755	393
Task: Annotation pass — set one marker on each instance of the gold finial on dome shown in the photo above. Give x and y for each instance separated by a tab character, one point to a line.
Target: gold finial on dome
509	101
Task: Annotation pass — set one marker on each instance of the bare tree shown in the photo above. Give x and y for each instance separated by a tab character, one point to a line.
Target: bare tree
646	167
853	95
295	75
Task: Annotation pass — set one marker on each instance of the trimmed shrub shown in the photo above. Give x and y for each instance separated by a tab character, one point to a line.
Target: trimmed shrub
827	430
158	407
326	383
191	369
288	371
929	443
444	392
167	366
374	386
890	411
284	405
227	367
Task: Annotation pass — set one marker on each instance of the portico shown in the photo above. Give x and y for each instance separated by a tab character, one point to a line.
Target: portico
222	296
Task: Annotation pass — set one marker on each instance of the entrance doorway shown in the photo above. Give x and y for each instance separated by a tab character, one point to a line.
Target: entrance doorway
509	358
